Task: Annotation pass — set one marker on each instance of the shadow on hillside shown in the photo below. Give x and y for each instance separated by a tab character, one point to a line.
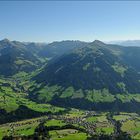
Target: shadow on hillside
117	105
22	112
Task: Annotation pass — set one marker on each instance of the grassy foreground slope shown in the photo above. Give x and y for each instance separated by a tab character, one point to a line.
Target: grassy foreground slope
15	104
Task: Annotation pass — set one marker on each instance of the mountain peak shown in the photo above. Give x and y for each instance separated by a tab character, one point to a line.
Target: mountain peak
99	43
5	40
6	43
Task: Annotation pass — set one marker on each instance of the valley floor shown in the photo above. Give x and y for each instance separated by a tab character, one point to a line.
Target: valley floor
23	118
75	125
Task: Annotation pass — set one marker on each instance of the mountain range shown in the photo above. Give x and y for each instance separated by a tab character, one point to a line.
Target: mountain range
127	43
78	74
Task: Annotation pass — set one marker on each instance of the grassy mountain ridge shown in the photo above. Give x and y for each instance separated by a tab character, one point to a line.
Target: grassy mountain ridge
18	56
93	75
91	67
15	57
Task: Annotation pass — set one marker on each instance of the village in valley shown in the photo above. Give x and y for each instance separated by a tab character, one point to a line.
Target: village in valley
75	124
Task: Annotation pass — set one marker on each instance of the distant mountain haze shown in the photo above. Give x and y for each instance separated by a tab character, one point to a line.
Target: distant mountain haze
127	42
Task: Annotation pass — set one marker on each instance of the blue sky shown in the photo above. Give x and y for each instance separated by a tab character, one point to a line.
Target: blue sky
48	21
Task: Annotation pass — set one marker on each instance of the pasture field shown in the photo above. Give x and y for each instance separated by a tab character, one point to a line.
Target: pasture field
132	127
92	119
55	122
67	134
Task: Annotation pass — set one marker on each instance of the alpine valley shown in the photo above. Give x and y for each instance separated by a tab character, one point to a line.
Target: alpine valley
69	90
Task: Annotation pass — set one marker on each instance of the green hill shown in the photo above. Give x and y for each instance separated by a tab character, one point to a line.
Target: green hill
15	57
94	73
91	67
